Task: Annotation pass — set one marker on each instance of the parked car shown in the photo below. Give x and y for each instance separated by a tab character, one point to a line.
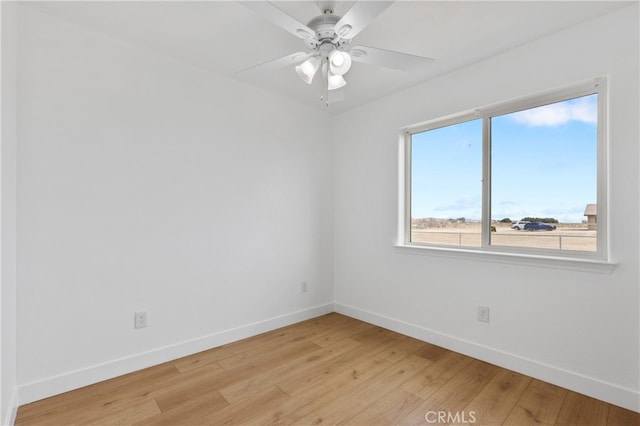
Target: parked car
519	225
539	226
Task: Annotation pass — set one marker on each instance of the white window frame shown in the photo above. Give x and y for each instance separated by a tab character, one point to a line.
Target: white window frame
599	261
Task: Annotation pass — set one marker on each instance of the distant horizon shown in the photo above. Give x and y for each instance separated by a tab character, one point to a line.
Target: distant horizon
513	219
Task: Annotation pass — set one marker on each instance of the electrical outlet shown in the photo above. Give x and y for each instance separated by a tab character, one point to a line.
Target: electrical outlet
483	313
140	320
304	287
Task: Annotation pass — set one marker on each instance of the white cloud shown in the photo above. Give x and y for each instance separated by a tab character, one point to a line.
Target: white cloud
582	109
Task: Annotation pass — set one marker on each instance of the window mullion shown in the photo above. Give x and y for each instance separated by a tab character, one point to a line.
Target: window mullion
486	181
407	187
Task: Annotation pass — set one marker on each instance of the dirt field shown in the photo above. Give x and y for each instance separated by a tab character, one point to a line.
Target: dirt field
565	237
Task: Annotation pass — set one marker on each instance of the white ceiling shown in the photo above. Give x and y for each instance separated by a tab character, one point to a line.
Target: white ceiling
224	37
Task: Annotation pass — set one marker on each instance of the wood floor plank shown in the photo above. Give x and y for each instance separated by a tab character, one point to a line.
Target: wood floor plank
328	370
338	385
388	410
496	400
342	333
190	385
539	404
456	393
406	346
581	410
134	411
243	412
437	374
204	358
130	385
291	332
291	344
620	417
193	411
340	410
374	335
265	363
300	365
123	411
431	352
330	323
299	383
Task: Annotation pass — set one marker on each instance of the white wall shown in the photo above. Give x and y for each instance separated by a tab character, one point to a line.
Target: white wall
577	329
144	184
8	387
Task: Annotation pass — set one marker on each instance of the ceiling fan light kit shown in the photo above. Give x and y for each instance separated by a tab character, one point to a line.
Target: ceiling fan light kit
339	62
328	40
335	81
307	70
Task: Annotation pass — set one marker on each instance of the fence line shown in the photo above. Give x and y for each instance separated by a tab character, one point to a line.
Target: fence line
532	240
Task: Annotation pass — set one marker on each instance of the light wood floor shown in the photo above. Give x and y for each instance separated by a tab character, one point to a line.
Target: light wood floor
329	370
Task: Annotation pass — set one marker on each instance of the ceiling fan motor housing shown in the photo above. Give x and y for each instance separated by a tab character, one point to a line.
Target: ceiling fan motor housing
324	28
326	38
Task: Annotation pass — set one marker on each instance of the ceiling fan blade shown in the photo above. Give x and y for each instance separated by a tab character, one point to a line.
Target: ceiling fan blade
276	15
359	16
276	64
388	58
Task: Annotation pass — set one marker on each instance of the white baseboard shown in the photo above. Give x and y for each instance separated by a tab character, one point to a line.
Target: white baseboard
604	391
35	391
12	409
626	398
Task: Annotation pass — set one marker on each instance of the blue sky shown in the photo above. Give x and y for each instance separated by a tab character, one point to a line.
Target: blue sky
544	163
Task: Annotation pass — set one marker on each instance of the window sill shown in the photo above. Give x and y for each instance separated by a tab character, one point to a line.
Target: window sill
541	261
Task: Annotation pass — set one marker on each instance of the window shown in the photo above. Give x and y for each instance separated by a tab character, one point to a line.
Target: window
446	185
526	176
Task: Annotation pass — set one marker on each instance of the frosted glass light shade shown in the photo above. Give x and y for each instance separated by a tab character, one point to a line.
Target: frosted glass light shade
307	70
335	81
339	62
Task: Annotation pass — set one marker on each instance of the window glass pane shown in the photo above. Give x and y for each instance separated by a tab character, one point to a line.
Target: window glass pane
446	185
544	171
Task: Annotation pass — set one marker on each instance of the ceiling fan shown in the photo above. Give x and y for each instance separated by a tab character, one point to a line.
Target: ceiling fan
327	38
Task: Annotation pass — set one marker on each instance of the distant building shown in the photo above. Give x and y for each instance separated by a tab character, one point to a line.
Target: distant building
591	212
